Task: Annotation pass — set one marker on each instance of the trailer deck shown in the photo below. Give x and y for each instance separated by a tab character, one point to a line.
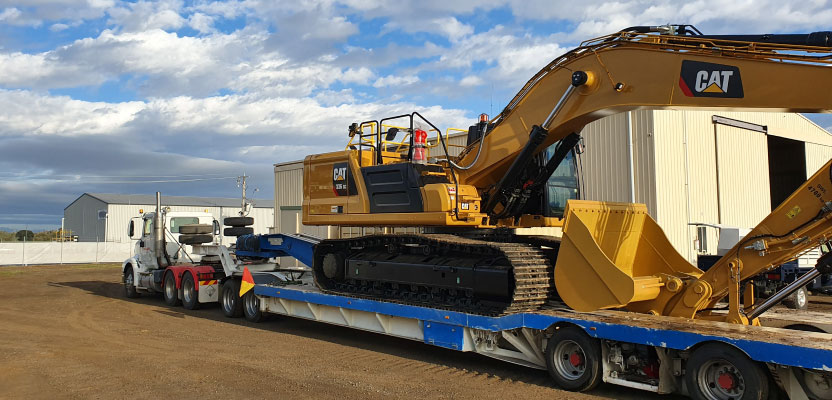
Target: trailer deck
460	331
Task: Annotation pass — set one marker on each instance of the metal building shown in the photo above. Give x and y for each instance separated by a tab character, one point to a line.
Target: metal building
688	166
104	217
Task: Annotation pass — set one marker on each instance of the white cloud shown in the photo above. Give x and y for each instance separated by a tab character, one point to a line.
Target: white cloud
143	15
201	23
393	80
471	80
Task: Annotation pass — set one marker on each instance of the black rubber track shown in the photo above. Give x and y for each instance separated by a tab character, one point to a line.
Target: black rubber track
532	273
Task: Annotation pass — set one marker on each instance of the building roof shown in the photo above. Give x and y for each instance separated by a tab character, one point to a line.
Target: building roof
150	199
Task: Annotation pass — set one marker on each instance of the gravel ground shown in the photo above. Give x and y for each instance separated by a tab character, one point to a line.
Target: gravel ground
68	332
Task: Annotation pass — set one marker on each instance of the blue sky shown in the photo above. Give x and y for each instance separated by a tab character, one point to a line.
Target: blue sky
107	95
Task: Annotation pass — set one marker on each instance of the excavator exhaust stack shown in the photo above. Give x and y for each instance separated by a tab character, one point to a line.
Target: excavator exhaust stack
613	255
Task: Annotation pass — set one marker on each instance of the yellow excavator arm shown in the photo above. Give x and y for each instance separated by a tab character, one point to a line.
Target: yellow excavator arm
628	71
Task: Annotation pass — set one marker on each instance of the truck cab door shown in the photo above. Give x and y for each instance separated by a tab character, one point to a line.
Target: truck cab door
145	246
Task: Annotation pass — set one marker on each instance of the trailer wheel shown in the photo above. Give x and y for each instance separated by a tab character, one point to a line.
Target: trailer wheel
129	284
817	384
238	231
717	371
251	307
799	300
574	359
171	292
190	297
238	221
232	305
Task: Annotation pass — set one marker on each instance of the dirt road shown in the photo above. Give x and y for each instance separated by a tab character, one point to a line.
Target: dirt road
68	332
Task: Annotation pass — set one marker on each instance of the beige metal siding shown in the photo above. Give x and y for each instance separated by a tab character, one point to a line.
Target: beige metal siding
744	194
644	162
670	171
816	156
288	189
604	161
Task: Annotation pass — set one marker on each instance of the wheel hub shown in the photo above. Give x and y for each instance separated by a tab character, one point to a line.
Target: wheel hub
576	359
727	381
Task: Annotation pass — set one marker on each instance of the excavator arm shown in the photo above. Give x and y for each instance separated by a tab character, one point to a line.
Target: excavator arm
616	251
628	71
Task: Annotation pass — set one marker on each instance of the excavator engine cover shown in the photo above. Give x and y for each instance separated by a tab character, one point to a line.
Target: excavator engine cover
614	254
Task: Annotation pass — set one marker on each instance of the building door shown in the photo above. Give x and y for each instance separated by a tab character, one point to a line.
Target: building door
786	167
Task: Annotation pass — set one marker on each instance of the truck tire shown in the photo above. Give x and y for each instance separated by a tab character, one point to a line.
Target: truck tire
170	291
232	305
196	228
238	231
195	239
190	296
574	359
720	371
799	300
251	307
129	284
238	221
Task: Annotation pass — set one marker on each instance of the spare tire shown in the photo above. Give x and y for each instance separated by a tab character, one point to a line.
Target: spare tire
238	221
238	231
195	239
196	228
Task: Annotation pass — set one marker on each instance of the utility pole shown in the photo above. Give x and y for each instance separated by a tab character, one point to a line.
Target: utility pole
241	183
245	204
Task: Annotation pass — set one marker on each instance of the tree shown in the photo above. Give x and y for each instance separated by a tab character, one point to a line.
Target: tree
27	234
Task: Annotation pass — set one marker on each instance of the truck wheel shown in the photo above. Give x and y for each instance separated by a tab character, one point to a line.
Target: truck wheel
238	221
238	231
232	305
171	292
129	284
574	359
717	371
251	307
195	238
196	228
799	300
190	297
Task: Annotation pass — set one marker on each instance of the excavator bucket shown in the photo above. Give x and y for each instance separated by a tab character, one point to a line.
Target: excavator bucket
613	255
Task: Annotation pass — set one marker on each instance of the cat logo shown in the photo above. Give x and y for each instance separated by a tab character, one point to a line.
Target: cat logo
342	182
701	79
339	174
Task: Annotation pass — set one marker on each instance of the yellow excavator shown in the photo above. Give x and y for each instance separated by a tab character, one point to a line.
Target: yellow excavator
611	255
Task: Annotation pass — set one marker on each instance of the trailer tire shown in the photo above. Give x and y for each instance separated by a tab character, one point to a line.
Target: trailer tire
129	283
719	371
170	291
196	228
573	359
195	239
232	305
238	221
190	295
251	307
238	231
799	300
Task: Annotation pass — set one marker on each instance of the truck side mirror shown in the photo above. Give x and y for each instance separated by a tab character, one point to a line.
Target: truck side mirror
216	228
132	231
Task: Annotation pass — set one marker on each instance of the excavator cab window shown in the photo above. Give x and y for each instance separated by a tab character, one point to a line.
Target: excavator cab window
562	185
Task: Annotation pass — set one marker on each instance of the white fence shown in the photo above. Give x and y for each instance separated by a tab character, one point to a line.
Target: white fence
19	253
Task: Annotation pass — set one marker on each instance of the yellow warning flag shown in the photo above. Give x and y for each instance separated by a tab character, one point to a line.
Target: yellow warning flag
247	283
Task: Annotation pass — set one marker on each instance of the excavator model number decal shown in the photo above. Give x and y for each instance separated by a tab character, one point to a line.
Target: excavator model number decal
702	79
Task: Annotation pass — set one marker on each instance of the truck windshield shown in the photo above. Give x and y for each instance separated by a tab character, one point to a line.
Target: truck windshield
176	222
562	185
